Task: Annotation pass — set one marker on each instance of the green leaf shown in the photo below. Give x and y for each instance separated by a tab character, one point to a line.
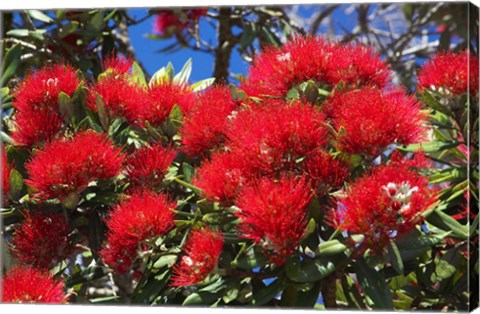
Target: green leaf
188	171
97	23
102	112
271	37
445	222
430	100
429	147
249	261
10	63
18	32
148	292
293	94
176	114
162	75
331	247
415	244
138	75
292	267
88	274
40	16
308	299
201	85
374	286
248	36
311	271
104	299
184	74
267	293
16	184
165	260
395	257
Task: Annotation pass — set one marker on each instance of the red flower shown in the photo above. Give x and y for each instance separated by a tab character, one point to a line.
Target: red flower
386	203
276	70
222	177
29	285
203	128
277	137
42	87
147	166
36	126
142	216
325	172
201	254
450	72
121	98
6	171
69	165
117	65
169	22
42	240
162	97
368	119
274	215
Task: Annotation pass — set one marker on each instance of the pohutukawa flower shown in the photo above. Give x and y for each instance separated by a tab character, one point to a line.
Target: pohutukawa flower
147	166
141	217
276	70
274	215
121	97
42	240
42	87
67	166
450	73
222	177
162	97
368	119
169	22
203	128
387	203
6	172
202	250
36	126
117	65
325	172
30	285
278	136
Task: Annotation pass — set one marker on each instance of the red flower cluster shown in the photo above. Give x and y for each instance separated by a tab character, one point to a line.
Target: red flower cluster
120	95
147	166
203	128
269	141
275	137
162	97
117	65
142	216
274	215
69	165
276	70
368	119
6	171
42	240
38	118
386	203
29	285
202	250
450	73
169	22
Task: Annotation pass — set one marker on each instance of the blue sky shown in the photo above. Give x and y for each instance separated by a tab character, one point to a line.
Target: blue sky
146	49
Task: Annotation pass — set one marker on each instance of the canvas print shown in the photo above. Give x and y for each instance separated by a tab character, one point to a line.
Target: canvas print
314	156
